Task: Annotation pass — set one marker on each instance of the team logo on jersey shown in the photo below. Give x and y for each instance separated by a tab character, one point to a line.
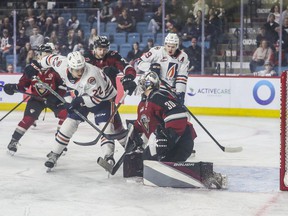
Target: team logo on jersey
145	122
40	89
91	80
50	77
58	63
32	110
172	70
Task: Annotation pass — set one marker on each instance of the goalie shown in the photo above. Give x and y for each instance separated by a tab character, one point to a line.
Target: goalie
163	121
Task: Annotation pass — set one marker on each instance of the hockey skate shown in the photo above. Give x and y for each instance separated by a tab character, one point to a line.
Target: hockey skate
12	146
62	153
216	181
51	162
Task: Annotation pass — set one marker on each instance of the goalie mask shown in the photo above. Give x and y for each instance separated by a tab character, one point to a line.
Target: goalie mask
147	82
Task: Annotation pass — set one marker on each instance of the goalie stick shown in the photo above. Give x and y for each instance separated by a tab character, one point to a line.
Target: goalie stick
112	136
46	86
224	149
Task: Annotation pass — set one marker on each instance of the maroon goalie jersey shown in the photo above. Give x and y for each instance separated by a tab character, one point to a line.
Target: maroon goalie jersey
48	76
160	107
114	59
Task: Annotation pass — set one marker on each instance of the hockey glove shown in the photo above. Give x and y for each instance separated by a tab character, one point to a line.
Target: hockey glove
128	83
156	68
165	140
111	72
75	104
10	88
181	97
31	70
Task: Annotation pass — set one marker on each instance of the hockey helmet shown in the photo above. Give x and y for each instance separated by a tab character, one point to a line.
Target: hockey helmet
76	60
47	47
172	38
148	81
102	41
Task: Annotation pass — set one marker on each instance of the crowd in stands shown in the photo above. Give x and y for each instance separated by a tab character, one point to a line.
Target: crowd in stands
36	25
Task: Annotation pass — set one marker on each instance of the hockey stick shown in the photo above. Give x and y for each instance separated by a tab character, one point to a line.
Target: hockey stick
130	146
224	149
46	86
26	93
112	136
14	108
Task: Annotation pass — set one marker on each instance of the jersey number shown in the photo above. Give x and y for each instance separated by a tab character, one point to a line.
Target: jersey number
170	105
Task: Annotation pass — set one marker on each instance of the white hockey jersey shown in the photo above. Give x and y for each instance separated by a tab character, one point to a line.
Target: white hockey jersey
94	86
174	69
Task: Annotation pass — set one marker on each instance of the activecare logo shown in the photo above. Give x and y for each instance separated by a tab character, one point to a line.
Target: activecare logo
209	91
263	85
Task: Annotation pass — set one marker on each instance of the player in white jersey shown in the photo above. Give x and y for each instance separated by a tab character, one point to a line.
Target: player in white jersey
95	91
170	63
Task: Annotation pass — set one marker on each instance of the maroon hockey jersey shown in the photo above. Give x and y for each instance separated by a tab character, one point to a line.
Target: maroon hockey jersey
160	107
112	58
48	76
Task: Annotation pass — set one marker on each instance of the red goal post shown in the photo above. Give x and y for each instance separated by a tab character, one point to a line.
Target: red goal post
284	133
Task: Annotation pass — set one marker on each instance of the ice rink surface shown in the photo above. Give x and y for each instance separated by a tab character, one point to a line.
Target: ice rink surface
78	186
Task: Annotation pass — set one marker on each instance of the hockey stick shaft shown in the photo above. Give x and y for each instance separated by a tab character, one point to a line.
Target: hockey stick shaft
224	149
63	101
14	108
106	124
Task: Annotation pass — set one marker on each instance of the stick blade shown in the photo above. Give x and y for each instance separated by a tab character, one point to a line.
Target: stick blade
233	149
86	143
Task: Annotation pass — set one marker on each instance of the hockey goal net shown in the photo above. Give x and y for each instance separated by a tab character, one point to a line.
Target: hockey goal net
284	133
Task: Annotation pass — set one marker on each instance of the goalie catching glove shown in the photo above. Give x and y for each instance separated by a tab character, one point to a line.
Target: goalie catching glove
10	88
128	83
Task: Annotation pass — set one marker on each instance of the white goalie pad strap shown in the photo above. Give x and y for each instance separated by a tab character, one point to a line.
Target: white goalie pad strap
152	144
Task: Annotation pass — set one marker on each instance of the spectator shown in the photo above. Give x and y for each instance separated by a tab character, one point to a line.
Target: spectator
155	24
117	10
29	27
170	24
276	56
71	41
268	71
261	36
261	55
36	39
213	30
10	68
6	46
136	11
194	56
284	34
23	54
125	23
198	6
80	41
53	37
48	27
134	53
61	30
30	56
41	20
91	39
270	27
174	8
276	11
189	30
73	22
6	24
150	44
106	13
21	39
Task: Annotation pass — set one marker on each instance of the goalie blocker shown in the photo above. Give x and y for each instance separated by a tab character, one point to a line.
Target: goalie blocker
173	174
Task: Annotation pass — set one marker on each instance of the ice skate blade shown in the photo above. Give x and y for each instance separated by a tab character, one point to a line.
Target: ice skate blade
11	153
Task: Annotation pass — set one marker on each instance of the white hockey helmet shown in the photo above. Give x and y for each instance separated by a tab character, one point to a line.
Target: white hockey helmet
172	38
76	60
148	81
